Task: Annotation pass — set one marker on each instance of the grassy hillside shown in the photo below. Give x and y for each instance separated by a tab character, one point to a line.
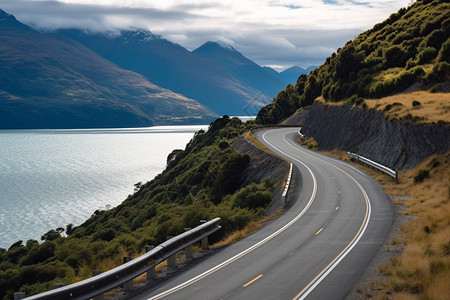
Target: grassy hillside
408	51
418	107
201	182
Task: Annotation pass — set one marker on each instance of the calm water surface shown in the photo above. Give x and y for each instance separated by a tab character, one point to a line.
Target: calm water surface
50	178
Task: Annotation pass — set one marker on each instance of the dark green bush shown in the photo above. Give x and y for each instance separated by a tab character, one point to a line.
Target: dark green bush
39	253
434	163
427	55
253	196
444	52
440	72
395	56
421	176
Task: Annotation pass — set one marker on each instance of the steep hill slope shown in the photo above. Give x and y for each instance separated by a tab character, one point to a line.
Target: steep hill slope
241	67
171	66
408	51
48	82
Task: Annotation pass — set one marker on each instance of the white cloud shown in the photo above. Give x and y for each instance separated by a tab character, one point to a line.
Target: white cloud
275	32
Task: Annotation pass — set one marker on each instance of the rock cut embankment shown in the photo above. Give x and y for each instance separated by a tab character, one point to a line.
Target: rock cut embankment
367	132
264	166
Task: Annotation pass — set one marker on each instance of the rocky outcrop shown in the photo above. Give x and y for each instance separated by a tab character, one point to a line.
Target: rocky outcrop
297	119
367	132
264	166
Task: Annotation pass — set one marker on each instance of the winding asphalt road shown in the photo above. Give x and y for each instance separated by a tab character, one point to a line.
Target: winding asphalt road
316	250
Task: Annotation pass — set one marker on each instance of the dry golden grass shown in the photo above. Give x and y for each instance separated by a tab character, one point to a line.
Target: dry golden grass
247	230
434	107
252	139
392	73
389	74
309	143
422	270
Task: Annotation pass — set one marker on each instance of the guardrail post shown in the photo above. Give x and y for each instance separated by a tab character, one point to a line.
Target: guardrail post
19	295
171	260
204	241
127	286
188	251
95	273
151	271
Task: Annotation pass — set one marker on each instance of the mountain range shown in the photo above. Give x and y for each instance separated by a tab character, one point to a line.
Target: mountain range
215	74
54	82
76	78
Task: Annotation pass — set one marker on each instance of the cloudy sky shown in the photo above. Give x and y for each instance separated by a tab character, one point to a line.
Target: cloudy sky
276	33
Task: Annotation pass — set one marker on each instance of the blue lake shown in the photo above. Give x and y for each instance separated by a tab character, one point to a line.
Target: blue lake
50	178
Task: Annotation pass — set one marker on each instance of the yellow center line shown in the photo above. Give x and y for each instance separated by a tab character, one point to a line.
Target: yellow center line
319	231
253	280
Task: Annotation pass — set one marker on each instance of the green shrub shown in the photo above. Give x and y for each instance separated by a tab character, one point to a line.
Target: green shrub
253	196
39	253
444	52
440	72
395	56
434	163
436	38
421	176
223	145
106	234
427	54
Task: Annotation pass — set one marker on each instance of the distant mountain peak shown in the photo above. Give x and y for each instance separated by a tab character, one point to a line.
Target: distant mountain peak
138	36
225	45
5	17
219	45
3	13
8	20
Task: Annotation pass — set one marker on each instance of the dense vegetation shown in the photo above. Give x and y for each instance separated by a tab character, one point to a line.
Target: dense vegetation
411	47
201	182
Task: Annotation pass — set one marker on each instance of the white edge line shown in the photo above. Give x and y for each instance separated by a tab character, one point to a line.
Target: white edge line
307	292
369	206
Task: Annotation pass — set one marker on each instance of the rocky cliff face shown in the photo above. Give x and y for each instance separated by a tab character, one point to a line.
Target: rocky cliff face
264	166
367	132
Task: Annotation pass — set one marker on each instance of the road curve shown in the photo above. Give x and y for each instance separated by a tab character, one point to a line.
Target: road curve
316	250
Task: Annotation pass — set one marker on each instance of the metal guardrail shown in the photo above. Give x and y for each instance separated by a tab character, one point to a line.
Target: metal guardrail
286	188
283	196
111	279
374	164
288	181
272	126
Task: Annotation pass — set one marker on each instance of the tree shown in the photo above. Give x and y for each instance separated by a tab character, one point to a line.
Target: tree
50	235
444	53
69	229
137	186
